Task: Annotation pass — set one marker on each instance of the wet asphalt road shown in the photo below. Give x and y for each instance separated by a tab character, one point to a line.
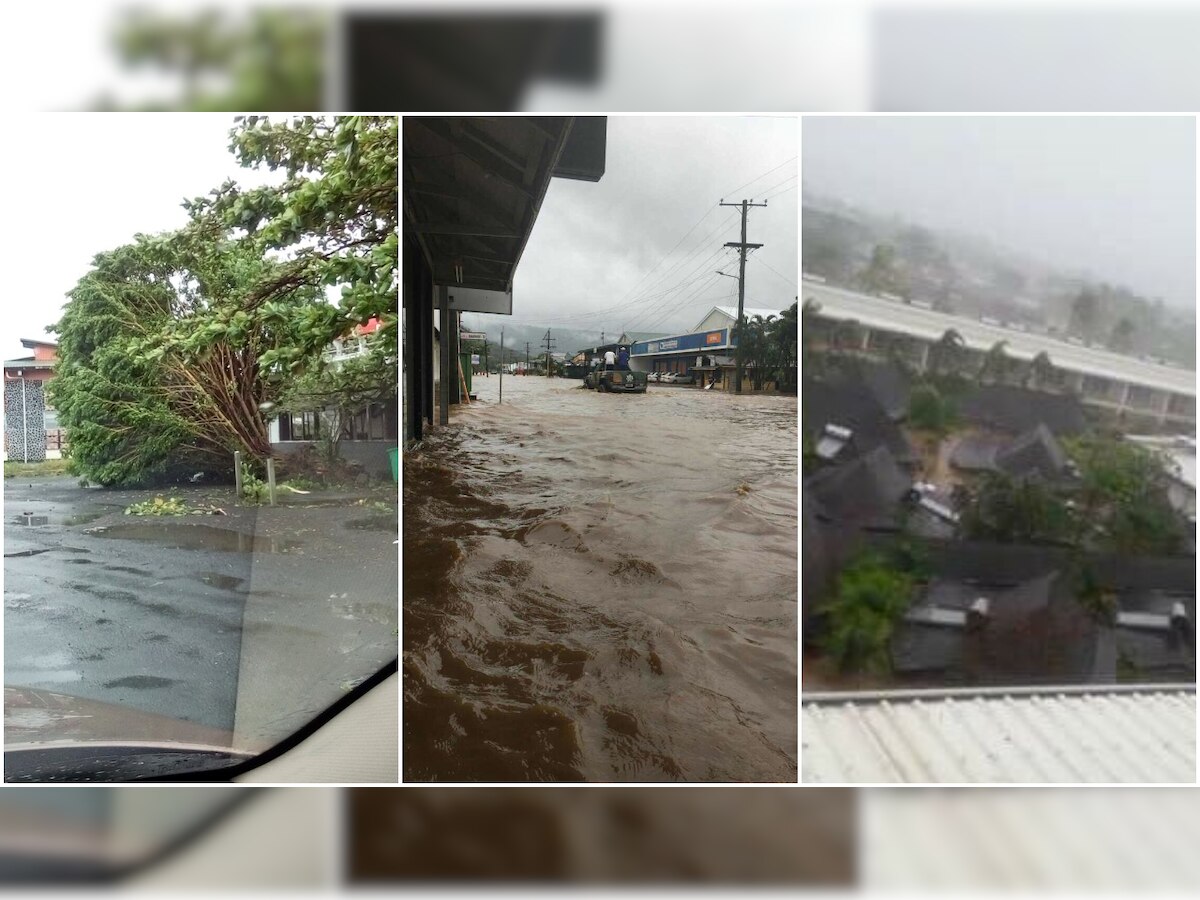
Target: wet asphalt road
153	614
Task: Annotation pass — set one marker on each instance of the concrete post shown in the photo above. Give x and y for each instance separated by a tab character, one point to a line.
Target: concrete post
444	325
237	474
271	479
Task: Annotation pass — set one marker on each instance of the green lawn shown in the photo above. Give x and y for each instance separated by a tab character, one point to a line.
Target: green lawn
12	468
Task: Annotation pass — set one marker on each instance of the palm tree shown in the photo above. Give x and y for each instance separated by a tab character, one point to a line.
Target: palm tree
947	352
995	363
784	333
811	329
1121	340
1042	371
1085	308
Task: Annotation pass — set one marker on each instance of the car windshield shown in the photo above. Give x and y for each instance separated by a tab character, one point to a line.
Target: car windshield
200	541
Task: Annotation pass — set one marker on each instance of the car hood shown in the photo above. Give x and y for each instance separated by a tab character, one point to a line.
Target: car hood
36	717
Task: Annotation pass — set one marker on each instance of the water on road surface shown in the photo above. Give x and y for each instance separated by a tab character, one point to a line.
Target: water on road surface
602	587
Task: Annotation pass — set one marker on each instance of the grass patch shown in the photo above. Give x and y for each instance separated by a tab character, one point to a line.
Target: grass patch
15	469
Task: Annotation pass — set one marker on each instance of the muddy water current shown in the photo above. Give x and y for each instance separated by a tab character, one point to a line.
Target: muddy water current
602	587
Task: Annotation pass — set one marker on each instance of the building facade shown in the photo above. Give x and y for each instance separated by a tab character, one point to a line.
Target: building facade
31	432
365	435
1148	389
706	354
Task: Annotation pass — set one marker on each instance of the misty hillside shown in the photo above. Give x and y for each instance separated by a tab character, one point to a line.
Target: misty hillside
967	276
566	340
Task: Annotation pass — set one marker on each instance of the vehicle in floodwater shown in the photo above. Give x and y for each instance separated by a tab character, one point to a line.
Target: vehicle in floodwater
622	381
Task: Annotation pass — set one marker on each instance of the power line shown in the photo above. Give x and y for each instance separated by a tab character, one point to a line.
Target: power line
759	259
780	193
668	306
642	298
760	177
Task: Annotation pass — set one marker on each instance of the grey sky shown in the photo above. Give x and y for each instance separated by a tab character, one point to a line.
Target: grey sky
1114	196
594	246
90	184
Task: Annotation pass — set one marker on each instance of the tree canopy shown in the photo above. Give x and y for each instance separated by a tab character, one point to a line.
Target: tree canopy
174	345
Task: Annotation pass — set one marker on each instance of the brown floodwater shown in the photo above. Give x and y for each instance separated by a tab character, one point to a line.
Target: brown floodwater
602	587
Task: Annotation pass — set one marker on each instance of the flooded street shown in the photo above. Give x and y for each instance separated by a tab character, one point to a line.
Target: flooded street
602	587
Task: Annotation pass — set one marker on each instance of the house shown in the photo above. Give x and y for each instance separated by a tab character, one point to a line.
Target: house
1016	410
365	435
995	614
850	405
1026	632
31	432
867	492
1035	456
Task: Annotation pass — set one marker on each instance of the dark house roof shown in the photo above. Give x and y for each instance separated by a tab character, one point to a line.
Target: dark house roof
1017	410
1034	454
1035	632
851	404
889	385
866	492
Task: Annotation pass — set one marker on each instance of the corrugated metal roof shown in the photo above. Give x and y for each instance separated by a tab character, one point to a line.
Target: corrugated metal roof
1047	839
1107	734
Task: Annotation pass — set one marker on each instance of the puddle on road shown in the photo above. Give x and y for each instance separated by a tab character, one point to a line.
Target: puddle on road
51	667
140	682
198	537
84	518
40	550
217	580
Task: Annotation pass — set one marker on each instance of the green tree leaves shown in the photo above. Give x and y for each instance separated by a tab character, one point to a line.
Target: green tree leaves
171	346
871	596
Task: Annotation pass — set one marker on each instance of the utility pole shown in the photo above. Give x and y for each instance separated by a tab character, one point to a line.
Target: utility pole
743	249
549	346
501	365
527	357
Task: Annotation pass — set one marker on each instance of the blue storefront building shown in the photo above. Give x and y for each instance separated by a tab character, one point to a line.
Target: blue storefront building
705	353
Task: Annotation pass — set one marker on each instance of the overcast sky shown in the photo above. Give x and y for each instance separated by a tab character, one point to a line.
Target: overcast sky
1114	196
591	259
92	181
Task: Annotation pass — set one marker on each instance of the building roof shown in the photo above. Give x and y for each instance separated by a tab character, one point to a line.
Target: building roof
1017	410
865	492
730	312
890	315
889	385
1003	736
1032	455
628	337
1013	841
473	187
28	362
1034	632
850	403
31	343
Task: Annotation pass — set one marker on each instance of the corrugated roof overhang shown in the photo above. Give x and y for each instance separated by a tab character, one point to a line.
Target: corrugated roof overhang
473	187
